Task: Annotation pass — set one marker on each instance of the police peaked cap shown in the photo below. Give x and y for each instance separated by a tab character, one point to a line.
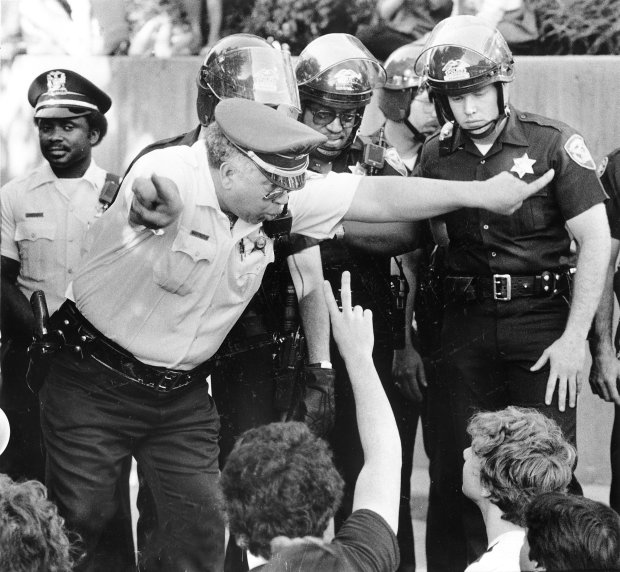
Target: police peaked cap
277	144
61	93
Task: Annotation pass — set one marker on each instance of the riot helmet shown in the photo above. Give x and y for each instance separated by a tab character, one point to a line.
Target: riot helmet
338	72
246	66
464	54
402	82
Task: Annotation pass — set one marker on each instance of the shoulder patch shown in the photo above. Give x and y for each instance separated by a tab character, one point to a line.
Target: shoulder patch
602	166
578	152
446	130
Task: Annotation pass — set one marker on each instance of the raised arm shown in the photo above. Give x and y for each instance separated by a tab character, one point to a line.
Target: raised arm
385	199
378	484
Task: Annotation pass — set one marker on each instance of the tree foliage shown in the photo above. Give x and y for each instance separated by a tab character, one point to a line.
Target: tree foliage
298	22
578	26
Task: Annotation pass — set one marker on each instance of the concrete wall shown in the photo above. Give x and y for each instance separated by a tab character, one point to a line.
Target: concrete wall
155	98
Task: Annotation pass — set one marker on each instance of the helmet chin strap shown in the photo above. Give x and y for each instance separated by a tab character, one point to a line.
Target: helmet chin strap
493	127
420	137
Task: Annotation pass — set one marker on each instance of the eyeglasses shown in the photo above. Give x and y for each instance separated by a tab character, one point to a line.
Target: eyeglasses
275	195
323	117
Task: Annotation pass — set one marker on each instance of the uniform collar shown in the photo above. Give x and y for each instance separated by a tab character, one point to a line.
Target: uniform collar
44	175
512	134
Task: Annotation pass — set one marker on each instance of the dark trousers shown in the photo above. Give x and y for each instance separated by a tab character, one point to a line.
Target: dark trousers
93	420
24	457
382	40
243	388
348	453
446	548
488	349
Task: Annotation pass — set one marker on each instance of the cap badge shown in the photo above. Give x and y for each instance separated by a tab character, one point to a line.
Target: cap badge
578	152
56	82
266	80
523	165
346	80
455	70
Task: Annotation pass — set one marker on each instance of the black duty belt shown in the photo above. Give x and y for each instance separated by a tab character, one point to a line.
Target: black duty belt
83	338
505	287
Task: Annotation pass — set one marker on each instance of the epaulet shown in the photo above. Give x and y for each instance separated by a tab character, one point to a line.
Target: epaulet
543	121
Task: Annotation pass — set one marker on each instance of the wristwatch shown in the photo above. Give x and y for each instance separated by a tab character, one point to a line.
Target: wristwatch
321	364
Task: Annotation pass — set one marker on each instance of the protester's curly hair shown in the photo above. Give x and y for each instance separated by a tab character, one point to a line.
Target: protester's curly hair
32	534
279	480
522	453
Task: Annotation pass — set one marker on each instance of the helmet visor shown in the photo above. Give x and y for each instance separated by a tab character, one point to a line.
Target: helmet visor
464	47
261	74
337	50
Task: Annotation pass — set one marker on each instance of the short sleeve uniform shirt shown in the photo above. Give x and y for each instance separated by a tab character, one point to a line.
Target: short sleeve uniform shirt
44	227
170	298
534	238
610	177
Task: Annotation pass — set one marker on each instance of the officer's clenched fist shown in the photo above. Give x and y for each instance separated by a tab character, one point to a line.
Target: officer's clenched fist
156	203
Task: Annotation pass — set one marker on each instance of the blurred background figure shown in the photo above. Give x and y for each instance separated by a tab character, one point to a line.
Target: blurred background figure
69	27
399	22
515	20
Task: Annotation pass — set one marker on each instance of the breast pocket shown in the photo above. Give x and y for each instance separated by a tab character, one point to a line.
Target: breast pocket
250	275
177	271
35	239
535	214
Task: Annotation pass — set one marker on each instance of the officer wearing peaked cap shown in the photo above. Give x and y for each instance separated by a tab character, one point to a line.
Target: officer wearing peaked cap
173	265
279	147
65	93
46	214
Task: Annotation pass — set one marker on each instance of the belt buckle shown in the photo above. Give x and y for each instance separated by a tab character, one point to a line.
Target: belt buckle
502	287
166	381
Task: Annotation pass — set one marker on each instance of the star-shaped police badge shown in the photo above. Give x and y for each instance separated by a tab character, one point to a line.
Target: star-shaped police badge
523	165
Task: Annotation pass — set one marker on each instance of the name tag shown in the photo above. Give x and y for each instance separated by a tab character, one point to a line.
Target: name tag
199	235
34	215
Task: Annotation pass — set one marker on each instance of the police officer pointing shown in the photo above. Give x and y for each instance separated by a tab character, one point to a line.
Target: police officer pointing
175	260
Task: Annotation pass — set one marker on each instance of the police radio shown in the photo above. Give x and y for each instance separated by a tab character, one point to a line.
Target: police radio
373	155
280	226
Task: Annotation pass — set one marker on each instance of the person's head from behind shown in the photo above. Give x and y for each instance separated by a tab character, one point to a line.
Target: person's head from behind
569	532
32	534
247	66
279	480
468	66
336	75
515	454
405	98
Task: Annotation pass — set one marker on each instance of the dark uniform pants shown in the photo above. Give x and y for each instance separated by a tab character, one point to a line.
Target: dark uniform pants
348	453
93	420
488	349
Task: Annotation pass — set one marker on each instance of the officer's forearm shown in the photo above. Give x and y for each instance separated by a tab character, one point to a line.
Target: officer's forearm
389	239
384	199
307	274
601	334
16	310
592	264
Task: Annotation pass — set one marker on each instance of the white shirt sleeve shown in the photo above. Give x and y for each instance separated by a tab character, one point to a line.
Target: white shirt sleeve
9	246
319	207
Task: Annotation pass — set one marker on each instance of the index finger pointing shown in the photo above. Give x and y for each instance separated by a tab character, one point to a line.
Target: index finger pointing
539	183
345	291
